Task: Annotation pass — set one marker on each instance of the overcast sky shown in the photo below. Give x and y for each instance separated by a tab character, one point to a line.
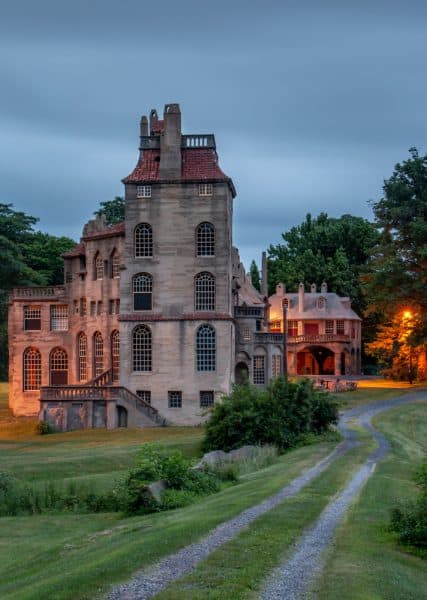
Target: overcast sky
312	103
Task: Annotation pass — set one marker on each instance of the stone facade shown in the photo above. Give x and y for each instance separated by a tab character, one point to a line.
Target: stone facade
157	317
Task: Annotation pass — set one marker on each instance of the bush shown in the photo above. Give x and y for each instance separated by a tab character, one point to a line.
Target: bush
44	428
280	416
409	521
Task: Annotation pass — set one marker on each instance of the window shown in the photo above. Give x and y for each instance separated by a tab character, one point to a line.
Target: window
99	267
32	376
340	327
329	327
58	367
115	355
115	265
206	399
82	357
292	328
205	189
99	307
246	333
68	277
143	191
143	240
32	318
59	317
117	306
204	296
83	307
111	305
276	326
285	302
142	285
76	307
276	365
258	325
205	348
205	239
92	308
175	399
145	395
141	348
98	354
259	369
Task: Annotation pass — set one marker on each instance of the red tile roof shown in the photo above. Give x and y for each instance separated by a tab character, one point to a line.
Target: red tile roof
111	231
78	250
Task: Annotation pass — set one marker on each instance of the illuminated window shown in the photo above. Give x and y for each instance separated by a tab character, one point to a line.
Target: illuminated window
204	296
145	395
143	191
59	317
205	348
143	240
142	287
58	367
206	399
115	265
115	355
205	239
98	354
329	327
276	365
99	267
205	189
340	327
32	318
292	328
141	348
82	357
259	369
276	326
175	399
32	376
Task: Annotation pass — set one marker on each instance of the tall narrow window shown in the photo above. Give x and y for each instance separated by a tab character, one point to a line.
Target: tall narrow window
204	293
59	317
329	327
115	355
32	318
292	328
83	307
340	327
276	365
32	369
205	348
99	267
141	348
143	240
82	357
205	235
115	265
58	367
259	369
98	354
142	285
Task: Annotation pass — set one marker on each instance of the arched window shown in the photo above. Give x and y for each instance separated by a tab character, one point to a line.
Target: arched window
143	240
205	240
98	354
115	355
98	267
142	287
141	348
32	376
204	292
115	264
205	348
82	357
58	367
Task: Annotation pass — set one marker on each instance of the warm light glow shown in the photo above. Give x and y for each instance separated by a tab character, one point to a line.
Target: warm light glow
407	314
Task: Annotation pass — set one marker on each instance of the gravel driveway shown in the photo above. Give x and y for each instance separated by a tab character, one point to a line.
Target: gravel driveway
295	576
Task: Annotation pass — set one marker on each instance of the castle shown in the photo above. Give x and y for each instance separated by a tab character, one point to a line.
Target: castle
157	318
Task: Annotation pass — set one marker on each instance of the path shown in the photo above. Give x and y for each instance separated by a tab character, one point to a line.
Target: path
306	560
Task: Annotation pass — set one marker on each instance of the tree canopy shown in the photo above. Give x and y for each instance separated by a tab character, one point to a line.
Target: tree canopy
255	276
114	210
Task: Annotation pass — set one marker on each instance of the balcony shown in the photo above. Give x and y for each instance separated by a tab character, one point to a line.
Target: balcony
40	292
277	338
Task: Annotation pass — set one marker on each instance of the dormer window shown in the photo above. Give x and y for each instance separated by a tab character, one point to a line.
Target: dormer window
143	191
205	189
321	303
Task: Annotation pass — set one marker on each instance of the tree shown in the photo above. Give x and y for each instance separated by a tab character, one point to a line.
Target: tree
42	253
114	210
255	276
324	249
396	279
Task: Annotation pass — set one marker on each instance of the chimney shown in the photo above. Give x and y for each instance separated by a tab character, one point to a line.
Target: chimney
324	287
280	289
170	143
264	286
301	297
313	288
143	126
153	119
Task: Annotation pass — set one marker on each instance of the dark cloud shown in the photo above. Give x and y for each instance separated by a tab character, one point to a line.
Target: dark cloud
312	103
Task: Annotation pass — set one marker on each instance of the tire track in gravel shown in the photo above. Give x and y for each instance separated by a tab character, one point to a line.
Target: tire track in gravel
293	579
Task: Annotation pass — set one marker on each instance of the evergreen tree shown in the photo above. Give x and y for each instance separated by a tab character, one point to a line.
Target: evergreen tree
255	276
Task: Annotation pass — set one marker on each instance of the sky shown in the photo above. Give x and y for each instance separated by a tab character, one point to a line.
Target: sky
311	103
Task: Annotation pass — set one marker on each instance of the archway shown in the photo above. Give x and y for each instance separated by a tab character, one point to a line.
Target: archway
315	360
241	373
122	416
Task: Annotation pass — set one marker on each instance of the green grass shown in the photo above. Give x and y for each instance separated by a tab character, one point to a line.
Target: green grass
367	563
367	395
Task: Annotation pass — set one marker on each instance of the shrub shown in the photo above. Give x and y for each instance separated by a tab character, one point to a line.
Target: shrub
279	416
44	428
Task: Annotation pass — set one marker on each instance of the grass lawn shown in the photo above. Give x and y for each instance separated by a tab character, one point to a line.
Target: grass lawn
365	394
367	563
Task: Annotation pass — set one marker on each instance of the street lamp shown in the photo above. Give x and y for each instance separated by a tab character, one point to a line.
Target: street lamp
285	338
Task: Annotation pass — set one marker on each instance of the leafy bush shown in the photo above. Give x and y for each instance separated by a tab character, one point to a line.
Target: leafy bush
44	428
409	521
279	416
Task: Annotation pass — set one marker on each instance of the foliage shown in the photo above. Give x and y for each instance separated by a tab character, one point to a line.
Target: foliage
280	415
114	210
324	249
255	276
44	428
410	521
42	253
